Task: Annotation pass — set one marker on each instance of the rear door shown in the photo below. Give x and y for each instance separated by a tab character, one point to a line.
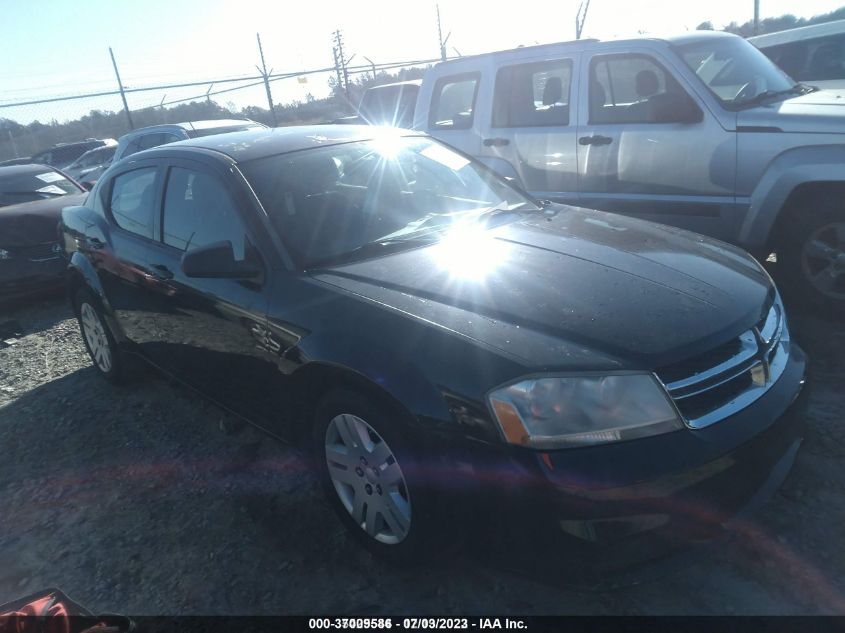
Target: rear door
119	252
532	127
646	146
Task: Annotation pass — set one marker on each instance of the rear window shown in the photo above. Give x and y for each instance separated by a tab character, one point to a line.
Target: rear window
533	95
37	185
453	102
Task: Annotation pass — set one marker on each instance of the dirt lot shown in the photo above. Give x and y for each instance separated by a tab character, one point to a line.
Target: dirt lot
134	500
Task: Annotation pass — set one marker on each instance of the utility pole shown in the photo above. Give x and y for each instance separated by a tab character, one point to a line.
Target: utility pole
372	65
440	36
122	93
581	17
266	76
756	17
340	60
208	95
12	141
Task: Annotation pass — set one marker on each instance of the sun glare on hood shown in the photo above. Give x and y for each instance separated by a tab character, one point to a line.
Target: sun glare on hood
469	252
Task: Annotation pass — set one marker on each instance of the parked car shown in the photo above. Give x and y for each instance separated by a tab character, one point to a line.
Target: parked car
430	332
155	135
90	166
63	154
700	131
814	54
31	200
16	161
386	104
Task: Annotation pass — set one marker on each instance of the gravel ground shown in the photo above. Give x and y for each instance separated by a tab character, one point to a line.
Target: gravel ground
135	500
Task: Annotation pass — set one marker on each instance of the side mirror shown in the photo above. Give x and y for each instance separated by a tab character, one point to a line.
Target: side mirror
675	107
88	186
217	261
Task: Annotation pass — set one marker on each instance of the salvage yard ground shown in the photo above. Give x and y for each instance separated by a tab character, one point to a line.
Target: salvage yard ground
132	499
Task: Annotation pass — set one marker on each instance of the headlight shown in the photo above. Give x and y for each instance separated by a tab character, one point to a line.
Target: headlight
4	254
565	411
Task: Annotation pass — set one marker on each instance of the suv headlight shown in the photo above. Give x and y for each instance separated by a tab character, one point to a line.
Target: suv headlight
4	254
565	411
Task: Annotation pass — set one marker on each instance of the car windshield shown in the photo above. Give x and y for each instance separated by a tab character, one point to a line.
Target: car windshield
735	71
337	203
34	185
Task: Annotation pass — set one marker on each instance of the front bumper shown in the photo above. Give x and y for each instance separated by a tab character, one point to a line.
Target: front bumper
631	502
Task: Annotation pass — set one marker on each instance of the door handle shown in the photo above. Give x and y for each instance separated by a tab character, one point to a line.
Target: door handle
496	142
596	139
162	272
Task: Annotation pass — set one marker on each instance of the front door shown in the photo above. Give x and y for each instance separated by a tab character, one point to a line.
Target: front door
532	129
647	148
211	331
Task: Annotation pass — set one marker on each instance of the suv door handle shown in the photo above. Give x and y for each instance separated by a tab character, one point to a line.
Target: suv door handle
162	272
596	139
496	142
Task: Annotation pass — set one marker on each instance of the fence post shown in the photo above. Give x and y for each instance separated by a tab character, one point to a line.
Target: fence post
265	75
122	93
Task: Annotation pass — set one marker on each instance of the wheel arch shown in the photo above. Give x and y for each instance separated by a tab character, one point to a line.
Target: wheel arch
789	178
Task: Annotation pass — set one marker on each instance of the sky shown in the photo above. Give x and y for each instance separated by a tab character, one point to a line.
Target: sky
60	47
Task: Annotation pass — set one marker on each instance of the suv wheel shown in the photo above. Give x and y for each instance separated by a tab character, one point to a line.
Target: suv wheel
371	479
813	256
97	337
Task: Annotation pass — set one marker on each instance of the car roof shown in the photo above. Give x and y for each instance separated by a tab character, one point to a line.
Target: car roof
189	125
251	144
540	49
28	168
798	34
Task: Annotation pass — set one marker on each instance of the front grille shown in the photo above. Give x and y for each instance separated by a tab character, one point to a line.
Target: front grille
713	385
41	252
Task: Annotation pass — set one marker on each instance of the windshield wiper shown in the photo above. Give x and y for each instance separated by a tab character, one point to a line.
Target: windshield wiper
380	246
798	89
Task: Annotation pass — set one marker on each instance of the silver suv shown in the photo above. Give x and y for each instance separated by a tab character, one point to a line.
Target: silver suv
701	131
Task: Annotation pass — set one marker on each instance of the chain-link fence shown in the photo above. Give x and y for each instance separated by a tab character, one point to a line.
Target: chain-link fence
29	126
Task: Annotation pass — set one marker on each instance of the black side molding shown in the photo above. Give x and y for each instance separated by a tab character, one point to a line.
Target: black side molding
757	128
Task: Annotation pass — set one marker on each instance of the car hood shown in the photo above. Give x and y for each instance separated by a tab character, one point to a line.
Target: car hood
34	222
822	111
569	287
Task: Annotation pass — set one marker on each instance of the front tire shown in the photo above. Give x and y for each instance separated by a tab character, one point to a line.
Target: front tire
372	480
813	255
97	337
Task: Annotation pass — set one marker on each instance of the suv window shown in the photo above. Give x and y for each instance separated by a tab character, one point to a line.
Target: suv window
530	95
199	211
132	201
453	102
633	89
818	59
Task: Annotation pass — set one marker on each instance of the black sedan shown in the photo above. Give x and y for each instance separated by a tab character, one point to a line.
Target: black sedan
31	201
442	342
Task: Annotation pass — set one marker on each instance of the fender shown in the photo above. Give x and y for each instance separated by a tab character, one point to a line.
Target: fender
794	167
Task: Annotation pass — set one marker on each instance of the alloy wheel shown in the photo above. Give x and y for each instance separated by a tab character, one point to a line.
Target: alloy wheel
367	478
823	260
95	335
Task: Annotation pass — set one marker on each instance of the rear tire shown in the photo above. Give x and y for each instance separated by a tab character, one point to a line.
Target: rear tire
812	256
97	337
377	486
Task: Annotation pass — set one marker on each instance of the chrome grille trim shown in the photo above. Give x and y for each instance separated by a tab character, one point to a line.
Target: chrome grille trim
759	363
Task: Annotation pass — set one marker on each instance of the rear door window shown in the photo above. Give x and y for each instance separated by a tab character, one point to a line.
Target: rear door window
453	102
533	95
133	199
